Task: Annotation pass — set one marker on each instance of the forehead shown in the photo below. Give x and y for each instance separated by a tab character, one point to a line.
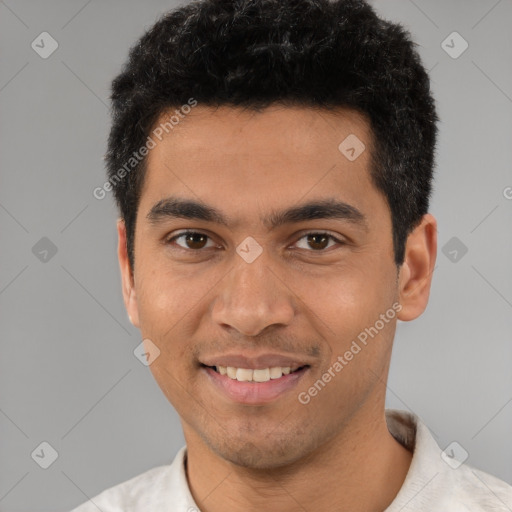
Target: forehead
242	157
276	129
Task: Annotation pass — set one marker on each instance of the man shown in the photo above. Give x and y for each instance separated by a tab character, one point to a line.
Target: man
272	163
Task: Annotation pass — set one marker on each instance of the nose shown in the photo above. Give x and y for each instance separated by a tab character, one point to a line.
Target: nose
252	297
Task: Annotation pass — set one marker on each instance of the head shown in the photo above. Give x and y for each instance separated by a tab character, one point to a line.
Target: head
302	133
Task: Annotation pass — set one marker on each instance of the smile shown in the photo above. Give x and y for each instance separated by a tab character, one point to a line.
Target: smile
253	386
256	375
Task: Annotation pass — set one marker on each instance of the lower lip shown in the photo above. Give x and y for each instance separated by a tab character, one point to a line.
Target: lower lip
254	393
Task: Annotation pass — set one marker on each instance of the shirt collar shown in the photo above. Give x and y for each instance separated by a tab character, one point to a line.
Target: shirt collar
405	427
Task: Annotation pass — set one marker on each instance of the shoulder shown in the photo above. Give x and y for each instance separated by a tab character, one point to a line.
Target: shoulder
479	491
438	481
464	489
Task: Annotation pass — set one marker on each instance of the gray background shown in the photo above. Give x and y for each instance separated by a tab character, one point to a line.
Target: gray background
68	375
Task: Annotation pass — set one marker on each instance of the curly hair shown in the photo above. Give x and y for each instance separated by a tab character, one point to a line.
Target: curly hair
307	53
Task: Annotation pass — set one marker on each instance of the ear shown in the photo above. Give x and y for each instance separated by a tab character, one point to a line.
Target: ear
415	275
127	280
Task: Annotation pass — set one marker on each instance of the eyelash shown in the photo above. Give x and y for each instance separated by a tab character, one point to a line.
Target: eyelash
169	241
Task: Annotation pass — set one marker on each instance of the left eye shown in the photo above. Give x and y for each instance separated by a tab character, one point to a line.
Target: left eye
318	240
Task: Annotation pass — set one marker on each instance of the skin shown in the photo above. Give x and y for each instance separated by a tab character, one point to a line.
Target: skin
298	297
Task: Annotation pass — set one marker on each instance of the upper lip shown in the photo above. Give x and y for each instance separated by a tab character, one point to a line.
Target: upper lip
260	361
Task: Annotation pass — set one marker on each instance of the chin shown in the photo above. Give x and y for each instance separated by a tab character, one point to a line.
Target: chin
265	454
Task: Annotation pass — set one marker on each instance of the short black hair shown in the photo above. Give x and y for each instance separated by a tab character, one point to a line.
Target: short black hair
308	53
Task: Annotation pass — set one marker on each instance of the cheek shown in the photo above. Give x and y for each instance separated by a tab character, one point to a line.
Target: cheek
173	384
350	309
165	296
163	312
350	300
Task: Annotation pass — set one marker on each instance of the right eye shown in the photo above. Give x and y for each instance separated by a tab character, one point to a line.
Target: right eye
193	241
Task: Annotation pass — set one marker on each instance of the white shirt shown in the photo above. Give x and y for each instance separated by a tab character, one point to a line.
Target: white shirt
435	481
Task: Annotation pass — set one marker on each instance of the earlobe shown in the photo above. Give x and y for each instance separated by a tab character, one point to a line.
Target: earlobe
416	271
127	278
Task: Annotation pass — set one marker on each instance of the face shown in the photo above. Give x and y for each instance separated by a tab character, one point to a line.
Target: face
285	262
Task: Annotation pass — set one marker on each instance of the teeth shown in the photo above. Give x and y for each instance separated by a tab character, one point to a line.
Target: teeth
261	375
248	375
276	372
243	374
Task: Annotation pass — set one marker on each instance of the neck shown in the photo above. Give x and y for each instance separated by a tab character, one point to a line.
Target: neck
361	469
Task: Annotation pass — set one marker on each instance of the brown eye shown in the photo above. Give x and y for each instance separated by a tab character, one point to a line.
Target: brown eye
192	240
316	242
195	240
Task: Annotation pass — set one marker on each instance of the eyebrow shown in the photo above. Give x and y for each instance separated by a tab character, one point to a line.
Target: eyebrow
179	208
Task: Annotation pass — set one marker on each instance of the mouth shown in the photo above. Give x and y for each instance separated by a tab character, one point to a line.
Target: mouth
254	386
255	375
